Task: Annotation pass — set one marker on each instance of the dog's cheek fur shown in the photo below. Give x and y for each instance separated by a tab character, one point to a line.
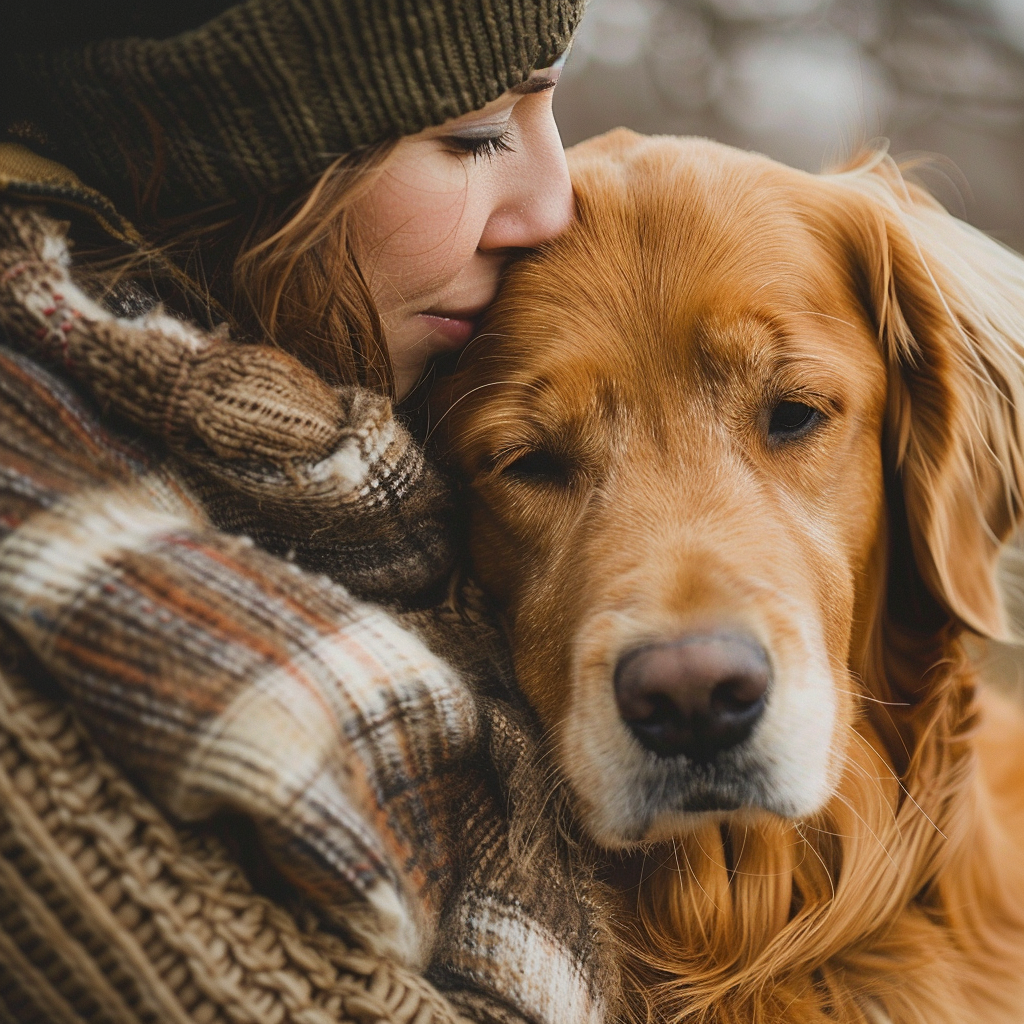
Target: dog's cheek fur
537	588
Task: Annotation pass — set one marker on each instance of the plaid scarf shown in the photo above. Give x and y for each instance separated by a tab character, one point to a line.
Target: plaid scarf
201	597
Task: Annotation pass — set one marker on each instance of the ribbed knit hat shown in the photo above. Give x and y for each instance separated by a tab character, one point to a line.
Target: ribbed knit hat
261	96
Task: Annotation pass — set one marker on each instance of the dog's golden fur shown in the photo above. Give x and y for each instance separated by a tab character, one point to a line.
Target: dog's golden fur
612	426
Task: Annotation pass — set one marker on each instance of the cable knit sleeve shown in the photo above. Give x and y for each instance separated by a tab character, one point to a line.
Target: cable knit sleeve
326	476
222	675
227	678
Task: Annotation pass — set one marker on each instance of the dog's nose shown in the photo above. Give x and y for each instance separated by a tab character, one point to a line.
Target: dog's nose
695	696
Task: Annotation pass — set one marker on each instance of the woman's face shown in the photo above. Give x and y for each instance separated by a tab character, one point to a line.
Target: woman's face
452	203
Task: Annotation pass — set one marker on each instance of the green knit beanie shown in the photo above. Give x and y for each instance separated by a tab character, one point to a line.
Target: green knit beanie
265	94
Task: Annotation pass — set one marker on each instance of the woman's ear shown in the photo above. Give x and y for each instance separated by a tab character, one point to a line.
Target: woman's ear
948	305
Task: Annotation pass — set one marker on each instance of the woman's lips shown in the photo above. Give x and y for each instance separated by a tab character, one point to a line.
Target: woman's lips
448	332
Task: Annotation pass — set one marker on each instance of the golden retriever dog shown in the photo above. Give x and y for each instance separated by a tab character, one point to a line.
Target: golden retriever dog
741	450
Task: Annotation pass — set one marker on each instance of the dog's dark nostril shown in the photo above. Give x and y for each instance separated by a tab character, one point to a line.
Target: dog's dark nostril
695	696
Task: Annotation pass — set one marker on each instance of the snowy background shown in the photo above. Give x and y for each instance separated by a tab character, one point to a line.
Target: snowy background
807	81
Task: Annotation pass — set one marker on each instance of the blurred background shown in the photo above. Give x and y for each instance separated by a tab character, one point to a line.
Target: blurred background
809	81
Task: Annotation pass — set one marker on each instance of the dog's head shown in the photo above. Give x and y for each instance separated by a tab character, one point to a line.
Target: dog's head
725	439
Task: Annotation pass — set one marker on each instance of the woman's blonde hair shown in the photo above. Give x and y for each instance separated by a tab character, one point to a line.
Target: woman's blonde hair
280	271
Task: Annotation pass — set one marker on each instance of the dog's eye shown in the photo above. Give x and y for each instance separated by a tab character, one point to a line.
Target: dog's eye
791	419
539	467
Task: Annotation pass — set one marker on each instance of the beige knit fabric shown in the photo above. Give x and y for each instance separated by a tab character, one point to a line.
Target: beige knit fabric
165	926
323	475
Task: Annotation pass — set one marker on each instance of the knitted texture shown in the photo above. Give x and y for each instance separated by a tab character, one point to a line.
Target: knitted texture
108	913
392	774
35	178
323	475
266	94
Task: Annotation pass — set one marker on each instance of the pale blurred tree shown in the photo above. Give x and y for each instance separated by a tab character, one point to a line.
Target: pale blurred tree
810	81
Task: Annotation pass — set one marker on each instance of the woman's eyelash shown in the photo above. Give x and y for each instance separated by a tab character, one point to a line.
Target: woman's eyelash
488	145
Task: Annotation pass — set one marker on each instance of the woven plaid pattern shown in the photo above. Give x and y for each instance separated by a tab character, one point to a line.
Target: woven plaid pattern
383	760
107	913
269	92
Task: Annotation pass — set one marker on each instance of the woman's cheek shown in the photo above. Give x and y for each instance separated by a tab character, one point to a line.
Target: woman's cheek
425	246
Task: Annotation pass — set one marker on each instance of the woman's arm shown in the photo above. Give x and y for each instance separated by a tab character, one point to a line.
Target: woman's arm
225	677
324	476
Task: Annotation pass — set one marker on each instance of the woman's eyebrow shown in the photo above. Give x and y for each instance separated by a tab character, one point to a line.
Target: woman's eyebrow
532	85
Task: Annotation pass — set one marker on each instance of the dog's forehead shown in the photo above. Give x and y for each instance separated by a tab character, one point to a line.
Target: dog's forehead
675	239
690	262
714	361
655	280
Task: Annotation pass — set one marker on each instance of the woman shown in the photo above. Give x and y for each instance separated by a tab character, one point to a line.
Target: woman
280	211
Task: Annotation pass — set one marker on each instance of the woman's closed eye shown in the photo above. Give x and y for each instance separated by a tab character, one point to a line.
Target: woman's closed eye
487	139
482	145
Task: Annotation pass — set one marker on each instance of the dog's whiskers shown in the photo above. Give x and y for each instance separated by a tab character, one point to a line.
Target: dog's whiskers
874	700
871	832
473	391
875	779
808	845
693	875
899	782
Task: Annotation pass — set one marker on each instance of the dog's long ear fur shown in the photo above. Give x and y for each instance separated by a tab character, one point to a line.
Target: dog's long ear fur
948	305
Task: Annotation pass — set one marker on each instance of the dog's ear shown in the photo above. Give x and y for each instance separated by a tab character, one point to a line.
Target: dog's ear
948	305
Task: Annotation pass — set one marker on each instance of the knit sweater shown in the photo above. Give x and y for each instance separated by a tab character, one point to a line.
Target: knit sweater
193	680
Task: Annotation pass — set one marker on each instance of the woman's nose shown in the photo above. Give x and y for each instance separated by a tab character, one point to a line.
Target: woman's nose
534	203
